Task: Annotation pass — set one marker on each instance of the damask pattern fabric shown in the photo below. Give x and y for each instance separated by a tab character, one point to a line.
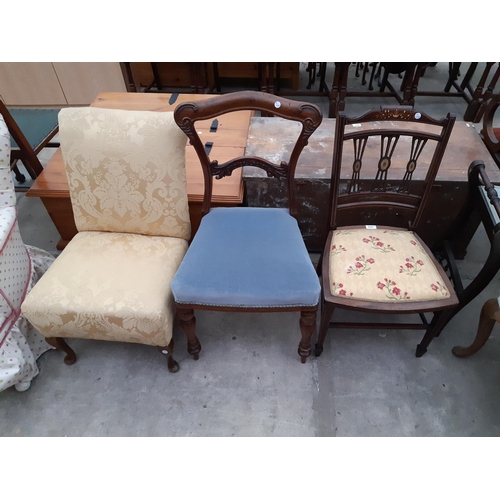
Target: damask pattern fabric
109	286
382	266
126	171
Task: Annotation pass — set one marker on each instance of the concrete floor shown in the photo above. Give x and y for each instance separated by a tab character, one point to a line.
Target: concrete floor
249	380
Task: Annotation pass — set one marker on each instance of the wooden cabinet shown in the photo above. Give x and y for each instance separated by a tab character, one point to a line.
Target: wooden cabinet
58	84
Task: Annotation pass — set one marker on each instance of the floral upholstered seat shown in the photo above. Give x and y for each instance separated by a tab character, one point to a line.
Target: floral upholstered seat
383	265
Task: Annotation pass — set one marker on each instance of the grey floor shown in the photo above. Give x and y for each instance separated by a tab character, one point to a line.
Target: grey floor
249	380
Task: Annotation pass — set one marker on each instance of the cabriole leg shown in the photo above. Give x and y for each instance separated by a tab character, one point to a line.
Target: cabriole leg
60	343
173	366
487	321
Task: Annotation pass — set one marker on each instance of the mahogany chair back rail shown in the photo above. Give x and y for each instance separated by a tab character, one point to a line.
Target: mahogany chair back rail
490	134
391	189
187	114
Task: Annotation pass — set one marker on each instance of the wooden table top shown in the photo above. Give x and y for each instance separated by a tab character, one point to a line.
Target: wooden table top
229	141
275	141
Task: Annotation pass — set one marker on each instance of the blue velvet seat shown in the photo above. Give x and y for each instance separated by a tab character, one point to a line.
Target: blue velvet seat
247	259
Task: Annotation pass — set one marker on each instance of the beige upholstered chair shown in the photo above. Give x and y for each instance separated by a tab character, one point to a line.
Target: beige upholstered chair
127	180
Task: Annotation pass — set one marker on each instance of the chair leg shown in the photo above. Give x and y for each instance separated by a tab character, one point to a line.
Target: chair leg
19	176
307	328
326	315
439	321
60	343
485	327
188	324
173	366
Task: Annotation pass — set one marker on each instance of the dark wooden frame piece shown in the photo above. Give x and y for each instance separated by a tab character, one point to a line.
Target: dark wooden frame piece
403	202
490	139
484	202
24	153
309	115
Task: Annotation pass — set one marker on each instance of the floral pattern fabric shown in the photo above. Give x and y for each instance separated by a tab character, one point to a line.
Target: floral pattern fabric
126	171
109	286
383	266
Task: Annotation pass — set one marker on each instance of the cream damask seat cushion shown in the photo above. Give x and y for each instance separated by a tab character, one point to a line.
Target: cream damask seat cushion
109	286
381	265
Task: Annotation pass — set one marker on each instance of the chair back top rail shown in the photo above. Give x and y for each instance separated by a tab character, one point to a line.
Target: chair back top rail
380	191
187	114
491	139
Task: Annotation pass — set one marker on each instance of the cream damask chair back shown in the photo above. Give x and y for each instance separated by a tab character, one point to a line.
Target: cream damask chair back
20	268
127	181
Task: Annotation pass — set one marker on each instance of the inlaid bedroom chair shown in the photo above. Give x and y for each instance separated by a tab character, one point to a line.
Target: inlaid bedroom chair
242	258
384	166
127	181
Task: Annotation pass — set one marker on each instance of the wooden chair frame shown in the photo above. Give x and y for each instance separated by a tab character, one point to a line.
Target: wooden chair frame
490	139
483	202
378	199
25	152
186	116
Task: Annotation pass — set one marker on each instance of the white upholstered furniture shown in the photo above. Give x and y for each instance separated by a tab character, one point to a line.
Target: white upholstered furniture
20	268
127	180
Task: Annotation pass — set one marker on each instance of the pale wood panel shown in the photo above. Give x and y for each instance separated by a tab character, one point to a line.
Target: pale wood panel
82	81
30	84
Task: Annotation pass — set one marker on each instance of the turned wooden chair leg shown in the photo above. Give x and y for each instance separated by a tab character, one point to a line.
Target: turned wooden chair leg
490	314
60	343
326	315
173	366
188	325
307	328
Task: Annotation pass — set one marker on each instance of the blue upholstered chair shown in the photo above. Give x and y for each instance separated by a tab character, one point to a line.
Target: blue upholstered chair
241	258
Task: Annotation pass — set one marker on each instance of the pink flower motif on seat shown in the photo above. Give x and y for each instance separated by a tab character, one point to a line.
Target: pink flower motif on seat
378	245
438	287
411	267
393	292
339	290
361	265
338	249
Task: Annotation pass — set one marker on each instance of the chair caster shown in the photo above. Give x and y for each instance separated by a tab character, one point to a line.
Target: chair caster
318	350
420	351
